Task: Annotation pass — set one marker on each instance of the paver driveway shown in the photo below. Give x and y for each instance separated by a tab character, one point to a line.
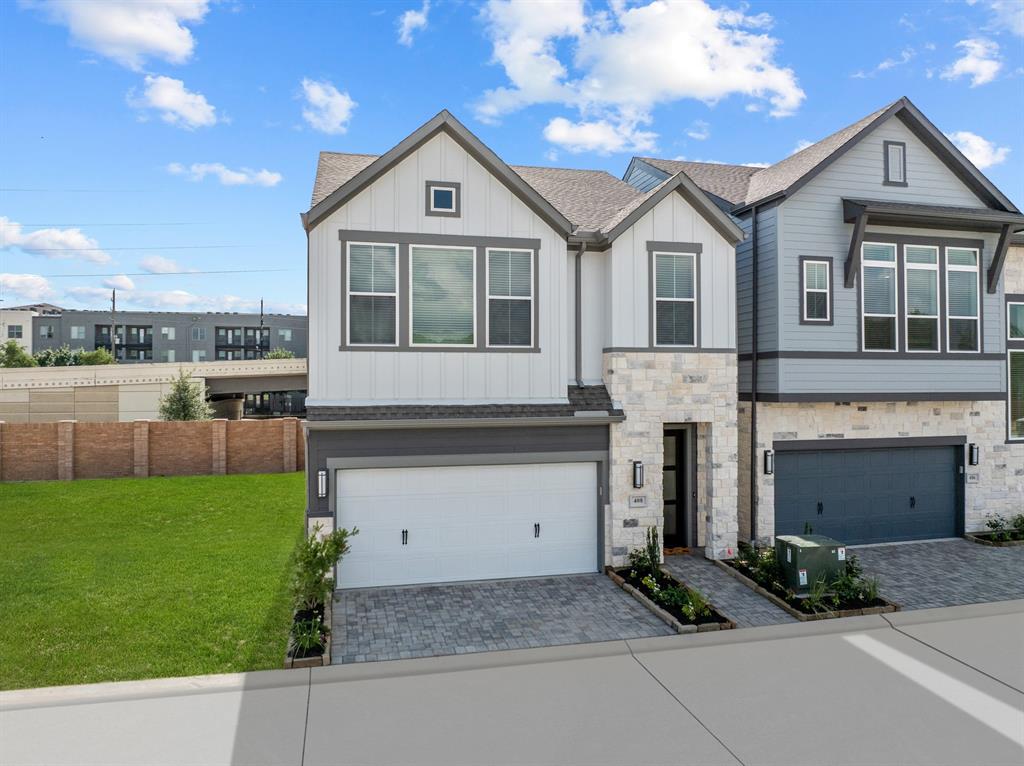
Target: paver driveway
944	572
458	618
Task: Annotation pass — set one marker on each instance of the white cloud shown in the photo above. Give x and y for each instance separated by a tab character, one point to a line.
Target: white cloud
699	131
410	21
802	144
63	244
327	109
176	104
181	300
982	152
127	31
27	287
1008	15
615	66
227	176
599	136
755	164
157	264
121	282
980	61
906	55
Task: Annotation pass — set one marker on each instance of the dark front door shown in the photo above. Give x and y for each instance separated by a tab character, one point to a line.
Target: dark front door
677	488
862	496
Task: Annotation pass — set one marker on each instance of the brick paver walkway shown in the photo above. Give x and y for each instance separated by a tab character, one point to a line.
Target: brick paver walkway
944	573
458	618
728	594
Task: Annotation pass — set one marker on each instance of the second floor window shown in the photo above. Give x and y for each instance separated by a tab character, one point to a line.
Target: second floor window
77	332
285	334
372	294
198	333
878	288
443	286
167	333
895	163
1015	403
962	298
817	291
922	296
675	299
14	331
46	331
1014	321
509	297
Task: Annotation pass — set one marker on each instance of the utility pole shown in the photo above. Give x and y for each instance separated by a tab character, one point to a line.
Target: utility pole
113	324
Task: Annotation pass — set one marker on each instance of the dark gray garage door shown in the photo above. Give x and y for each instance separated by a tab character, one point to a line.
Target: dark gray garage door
869	495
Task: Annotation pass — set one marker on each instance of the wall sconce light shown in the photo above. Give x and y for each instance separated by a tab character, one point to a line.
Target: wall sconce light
769	462
321	483
973	453
638	474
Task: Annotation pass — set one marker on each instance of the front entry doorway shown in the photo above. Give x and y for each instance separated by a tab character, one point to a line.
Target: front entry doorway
680	486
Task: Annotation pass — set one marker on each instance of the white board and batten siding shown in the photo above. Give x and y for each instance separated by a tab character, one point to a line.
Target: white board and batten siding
395	203
627	277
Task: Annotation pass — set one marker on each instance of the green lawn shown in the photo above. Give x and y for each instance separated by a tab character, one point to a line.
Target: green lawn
115	579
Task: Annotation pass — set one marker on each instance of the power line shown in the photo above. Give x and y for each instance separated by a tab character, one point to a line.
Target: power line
153	223
165	273
138	247
74	191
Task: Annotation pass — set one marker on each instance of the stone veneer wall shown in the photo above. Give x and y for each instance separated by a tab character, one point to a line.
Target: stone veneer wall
1000	473
658	388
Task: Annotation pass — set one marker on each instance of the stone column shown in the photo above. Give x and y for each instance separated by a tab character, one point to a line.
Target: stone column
288	429
219	452
65	450
140	448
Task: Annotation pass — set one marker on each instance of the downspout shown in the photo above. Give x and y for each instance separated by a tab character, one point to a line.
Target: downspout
753	377
579	313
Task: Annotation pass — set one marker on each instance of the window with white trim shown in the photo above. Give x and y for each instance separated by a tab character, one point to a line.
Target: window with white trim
198	333
442	199
1015	321
921	297
78	332
1015	403
510	298
675	299
199	355
284	334
962	291
442	291
46	331
167	333
14	331
878	296
372	294
817	290
895	163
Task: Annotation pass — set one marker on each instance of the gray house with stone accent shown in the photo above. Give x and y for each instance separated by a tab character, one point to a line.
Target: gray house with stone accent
513	370
880	334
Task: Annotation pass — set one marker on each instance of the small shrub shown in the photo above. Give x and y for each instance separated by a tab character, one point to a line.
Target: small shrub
99	356
279	353
308	635
698	605
312	583
1017	522
816	600
996	524
648	558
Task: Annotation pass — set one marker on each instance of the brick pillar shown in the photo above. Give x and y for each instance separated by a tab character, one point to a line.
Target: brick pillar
219	453
288	450
66	450
140	448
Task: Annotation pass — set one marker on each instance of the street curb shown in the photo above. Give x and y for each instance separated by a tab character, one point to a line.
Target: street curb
960	612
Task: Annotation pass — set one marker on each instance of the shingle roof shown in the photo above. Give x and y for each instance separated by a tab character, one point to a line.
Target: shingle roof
588	198
333	169
729	182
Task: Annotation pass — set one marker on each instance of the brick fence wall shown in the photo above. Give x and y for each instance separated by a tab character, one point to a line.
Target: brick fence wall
71	449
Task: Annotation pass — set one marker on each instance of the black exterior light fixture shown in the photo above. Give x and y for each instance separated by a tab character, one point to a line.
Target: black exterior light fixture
769	462
973	453
638	474
321	483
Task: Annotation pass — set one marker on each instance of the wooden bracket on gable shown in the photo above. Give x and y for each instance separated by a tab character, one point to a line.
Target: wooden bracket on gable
853	257
996	269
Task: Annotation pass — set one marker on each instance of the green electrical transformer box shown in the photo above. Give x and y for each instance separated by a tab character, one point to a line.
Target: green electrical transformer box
805	559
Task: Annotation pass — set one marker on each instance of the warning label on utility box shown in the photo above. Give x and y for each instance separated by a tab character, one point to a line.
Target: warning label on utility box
803	576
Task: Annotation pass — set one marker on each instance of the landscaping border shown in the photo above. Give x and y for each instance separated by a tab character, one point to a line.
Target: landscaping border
322	660
803	616
974	538
663	615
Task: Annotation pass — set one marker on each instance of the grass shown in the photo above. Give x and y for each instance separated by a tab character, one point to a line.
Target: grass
117	579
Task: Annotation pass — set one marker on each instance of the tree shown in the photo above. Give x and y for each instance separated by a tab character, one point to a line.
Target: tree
185	401
279	353
99	356
13	355
62	356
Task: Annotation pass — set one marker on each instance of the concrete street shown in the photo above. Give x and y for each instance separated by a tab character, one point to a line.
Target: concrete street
942	686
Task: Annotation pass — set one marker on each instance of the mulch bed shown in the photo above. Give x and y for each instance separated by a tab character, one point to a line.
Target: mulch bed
296	657
673	617
989	538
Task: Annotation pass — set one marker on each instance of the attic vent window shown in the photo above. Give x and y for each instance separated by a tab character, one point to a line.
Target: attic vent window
895	163
444	199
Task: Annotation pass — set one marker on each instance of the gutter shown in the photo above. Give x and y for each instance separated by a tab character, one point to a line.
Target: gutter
594	417
753	376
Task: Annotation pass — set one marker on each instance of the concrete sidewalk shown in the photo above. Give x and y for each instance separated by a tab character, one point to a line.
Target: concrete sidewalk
932	686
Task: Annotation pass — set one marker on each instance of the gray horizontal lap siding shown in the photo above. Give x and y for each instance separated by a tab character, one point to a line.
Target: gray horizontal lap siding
902	375
644	177
767	305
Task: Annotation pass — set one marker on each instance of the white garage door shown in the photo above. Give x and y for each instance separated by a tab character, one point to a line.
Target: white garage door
439	524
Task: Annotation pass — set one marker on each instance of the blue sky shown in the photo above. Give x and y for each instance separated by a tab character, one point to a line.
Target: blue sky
140	142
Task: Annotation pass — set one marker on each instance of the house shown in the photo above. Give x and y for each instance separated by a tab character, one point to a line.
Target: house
16	325
881	334
515	370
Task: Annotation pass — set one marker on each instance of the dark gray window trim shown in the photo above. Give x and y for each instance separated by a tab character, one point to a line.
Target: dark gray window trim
1012	298
674	247
802	445
1015	349
926	356
886	180
457	187
665	350
891	396
652	301
831	290
480	245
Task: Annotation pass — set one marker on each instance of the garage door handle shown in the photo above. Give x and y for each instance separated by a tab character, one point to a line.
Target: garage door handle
821	507
913	501
405	537
536	530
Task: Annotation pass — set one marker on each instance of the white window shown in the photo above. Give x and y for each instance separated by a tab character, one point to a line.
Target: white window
284	334
14	331
46	331
199	355
817	290
675	299
962	290
921	296
77	332
198	333
1014	321
1015	405
510	298
443	289
895	163
168	355
372	294
167	333
443	198
878	296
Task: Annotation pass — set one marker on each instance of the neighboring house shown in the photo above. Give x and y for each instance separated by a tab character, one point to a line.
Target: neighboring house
515	370
16	324
173	336
887	395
